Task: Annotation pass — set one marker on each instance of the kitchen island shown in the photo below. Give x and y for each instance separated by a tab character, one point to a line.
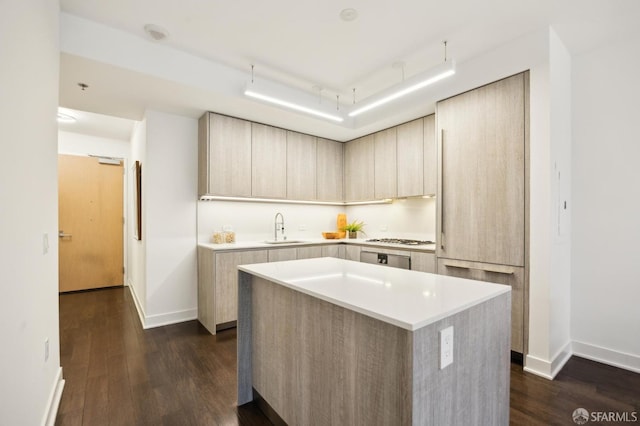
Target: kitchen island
331	341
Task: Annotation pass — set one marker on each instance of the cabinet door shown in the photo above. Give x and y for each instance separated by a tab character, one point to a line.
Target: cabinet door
206	289
385	164
268	161
329	170
423	262
226	281
359	169
430	165
309	252
481	195
352	252
410	141
225	156
335	250
277	255
301	166
500	274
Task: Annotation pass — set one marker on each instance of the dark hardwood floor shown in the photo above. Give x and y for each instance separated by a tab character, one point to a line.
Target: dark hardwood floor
118	374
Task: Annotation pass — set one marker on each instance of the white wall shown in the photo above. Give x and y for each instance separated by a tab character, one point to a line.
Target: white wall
605	289
550	151
170	172
136	252
81	144
29	194
413	218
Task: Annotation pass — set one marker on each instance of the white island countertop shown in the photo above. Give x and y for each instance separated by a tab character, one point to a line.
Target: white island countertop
406	299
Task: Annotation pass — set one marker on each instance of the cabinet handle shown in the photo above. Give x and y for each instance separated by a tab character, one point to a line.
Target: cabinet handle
442	215
498	269
61	234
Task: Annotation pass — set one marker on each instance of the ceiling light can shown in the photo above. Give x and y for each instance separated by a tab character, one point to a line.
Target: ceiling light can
349	14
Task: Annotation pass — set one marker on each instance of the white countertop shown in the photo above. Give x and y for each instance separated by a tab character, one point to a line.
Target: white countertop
247	245
406	299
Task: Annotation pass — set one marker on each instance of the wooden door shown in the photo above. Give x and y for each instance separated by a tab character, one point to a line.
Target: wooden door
91	225
481	198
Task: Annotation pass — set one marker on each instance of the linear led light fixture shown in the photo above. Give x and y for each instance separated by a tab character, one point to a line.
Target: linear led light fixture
410	85
281	201
285	97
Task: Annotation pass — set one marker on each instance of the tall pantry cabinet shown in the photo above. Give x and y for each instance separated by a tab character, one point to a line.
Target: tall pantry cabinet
481	188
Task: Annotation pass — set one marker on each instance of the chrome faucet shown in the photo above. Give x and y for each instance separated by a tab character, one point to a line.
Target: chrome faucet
279	226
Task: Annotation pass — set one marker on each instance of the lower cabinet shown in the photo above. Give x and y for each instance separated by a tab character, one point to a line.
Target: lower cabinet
500	274
423	262
279	255
352	252
218	284
309	252
336	250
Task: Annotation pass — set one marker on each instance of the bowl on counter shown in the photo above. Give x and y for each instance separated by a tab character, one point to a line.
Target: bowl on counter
333	235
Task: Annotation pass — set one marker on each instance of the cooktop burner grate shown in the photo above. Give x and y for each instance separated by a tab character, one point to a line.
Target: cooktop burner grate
399	241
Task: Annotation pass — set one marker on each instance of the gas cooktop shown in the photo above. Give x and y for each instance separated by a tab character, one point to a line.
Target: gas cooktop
399	241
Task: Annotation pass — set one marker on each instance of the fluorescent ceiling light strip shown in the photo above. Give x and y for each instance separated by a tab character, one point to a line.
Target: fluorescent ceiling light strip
402	92
291	105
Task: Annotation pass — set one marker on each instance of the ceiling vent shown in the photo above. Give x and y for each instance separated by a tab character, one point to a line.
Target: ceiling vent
156	32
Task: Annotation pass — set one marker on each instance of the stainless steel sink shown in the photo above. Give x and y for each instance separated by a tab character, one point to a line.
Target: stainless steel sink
284	241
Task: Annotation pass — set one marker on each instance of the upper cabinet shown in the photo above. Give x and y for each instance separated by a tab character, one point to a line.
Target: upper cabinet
268	161
481	199
329	170
224	156
430	145
301	166
359	169
385	164
410	140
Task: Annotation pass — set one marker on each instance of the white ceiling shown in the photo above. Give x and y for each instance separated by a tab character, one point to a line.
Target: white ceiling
303	43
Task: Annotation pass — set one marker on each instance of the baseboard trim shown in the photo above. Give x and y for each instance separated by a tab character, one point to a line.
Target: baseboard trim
54	400
607	356
158	320
549	369
136	302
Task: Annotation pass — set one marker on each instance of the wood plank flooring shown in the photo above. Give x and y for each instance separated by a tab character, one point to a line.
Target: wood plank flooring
118	374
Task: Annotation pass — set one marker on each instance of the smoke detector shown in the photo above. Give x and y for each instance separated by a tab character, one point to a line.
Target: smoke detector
156	32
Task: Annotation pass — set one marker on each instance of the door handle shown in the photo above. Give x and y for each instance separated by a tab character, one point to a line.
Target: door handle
498	269
61	234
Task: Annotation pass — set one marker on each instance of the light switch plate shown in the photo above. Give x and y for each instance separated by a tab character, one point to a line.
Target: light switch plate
446	347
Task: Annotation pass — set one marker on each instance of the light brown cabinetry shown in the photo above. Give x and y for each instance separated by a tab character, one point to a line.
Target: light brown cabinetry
430	165
385	165
359	169
268	161
352	252
481	204
423	262
278	255
410	152
301	166
500	274
308	252
218	284
481	195
224	156
334	250
329	170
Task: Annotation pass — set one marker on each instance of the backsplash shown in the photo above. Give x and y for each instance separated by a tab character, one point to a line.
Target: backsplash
252	221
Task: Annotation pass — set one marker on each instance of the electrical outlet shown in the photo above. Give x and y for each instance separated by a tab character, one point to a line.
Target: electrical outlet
446	347
383	228
302	228
46	350
45	243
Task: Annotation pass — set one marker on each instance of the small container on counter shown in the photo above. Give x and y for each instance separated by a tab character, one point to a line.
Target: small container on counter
229	237
218	237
